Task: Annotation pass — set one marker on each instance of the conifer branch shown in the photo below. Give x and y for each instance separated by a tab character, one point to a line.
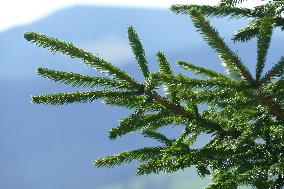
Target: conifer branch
231	61
129	124
166	69
274	5
171	120
218	11
168	165
208	83
142	154
79	97
79	80
263	43
247	33
231	2
173	107
205	97
276	71
239	111
209	126
274	107
135	121
138	51
179	110
185	82
158	136
192	138
133	102
201	70
55	45
165	66
183	135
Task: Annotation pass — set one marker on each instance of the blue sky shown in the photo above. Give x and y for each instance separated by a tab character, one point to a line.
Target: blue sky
19	12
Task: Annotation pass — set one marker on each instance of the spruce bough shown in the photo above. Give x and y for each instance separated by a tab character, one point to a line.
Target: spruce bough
244	114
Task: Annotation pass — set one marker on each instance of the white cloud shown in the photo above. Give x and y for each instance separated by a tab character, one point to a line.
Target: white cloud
17	12
111	48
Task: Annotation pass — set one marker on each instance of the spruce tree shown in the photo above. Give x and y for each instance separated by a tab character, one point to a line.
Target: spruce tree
244	113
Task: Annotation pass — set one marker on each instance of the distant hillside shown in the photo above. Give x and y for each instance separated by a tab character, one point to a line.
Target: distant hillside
53	147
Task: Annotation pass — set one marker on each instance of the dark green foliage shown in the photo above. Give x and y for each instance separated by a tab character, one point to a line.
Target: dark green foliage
276	71
158	136
233	12
165	68
55	45
78	97
138	51
231	2
78	80
142	155
200	70
243	114
228	8
230	60
264	38
247	33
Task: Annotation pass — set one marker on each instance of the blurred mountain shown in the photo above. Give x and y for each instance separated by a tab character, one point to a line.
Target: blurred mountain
51	147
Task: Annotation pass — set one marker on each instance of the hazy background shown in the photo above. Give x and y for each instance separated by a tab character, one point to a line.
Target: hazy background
52	147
